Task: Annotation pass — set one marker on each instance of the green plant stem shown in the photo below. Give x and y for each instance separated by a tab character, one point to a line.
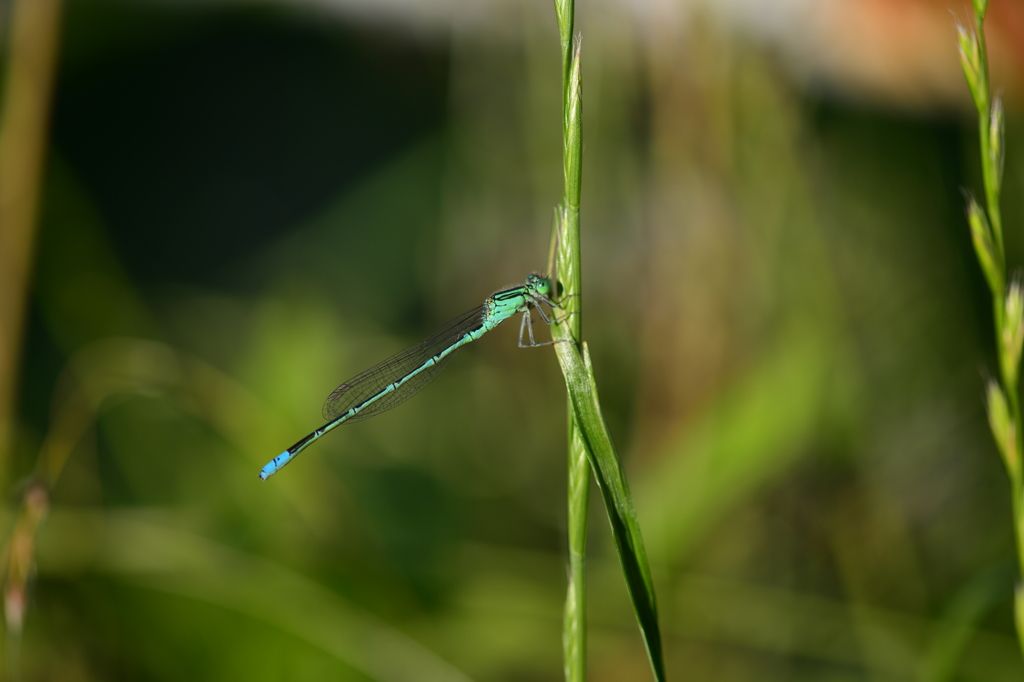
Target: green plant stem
575	617
989	174
611	481
589	440
31	59
1004	401
566	236
1008	373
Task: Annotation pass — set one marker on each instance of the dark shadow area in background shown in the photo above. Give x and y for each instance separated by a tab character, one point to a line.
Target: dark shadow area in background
202	147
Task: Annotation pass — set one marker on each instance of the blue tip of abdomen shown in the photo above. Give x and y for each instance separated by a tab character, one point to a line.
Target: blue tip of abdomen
274	465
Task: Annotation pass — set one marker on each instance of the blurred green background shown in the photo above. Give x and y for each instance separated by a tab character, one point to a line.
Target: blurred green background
245	204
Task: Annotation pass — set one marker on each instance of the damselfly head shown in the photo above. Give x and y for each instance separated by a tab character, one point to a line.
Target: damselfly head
539	284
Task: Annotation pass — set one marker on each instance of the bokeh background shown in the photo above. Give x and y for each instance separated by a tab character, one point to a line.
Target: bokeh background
243	203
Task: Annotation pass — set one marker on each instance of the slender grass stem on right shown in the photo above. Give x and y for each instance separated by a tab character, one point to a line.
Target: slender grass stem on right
1007	299
590	445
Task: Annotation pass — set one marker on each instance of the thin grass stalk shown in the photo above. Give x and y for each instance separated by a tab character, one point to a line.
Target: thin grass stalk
566	236
31	58
1003	398
588	433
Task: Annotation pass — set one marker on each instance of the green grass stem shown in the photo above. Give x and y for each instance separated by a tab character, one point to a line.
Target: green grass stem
565	239
589	441
986	226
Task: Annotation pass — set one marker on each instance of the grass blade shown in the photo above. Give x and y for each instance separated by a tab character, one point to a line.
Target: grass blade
604	461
